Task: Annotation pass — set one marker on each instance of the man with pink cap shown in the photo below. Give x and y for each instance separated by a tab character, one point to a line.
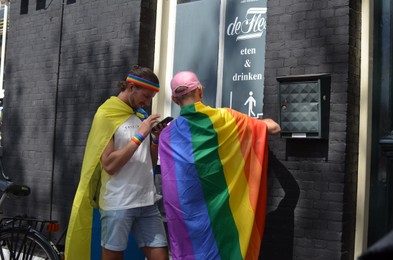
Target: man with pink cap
214	169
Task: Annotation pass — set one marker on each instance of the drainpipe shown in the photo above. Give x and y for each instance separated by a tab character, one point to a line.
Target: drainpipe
3	44
56	102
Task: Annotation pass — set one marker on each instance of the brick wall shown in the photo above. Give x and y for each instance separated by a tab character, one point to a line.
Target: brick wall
312	194
351	169
29	102
61	65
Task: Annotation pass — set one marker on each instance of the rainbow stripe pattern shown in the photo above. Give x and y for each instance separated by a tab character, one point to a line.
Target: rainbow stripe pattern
214	169
144	83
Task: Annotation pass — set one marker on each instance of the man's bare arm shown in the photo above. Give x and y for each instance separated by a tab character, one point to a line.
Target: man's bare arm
272	127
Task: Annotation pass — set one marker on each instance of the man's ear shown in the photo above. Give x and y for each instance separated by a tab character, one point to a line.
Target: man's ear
201	94
174	99
131	85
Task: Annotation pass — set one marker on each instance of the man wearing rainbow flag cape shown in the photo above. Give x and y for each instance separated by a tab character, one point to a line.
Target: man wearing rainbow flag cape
214	169
117	176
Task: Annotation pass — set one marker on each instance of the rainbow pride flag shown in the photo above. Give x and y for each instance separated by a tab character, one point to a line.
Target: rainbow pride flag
214	174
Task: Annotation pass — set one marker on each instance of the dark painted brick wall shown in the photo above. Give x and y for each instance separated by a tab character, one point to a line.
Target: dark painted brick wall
50	100
312	196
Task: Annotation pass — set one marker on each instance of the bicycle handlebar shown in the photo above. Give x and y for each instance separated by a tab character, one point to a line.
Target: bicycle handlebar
14	189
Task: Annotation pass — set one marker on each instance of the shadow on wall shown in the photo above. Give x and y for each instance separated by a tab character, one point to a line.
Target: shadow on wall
279	229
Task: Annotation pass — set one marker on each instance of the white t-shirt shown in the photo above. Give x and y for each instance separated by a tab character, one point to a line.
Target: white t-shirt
133	186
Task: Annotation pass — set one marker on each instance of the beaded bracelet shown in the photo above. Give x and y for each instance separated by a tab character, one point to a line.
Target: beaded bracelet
154	142
137	138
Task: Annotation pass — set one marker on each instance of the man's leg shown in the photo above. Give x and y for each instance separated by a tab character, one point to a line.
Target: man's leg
149	232
112	255
156	253
115	228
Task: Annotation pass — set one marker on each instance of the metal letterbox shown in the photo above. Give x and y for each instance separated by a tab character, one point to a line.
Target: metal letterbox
304	103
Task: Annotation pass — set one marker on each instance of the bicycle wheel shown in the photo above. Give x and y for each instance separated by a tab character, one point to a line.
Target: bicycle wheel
22	243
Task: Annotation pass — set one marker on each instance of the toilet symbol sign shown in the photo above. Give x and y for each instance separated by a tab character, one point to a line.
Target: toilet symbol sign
250	103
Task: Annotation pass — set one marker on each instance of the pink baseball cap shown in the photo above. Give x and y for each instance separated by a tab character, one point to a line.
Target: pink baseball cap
186	79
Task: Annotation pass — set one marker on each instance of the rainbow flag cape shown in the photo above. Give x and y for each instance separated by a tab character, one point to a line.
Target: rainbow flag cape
214	174
107	119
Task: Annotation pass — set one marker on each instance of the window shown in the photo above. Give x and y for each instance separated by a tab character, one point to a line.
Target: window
24	6
41	4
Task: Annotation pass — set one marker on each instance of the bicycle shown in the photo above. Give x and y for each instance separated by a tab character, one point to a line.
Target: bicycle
21	237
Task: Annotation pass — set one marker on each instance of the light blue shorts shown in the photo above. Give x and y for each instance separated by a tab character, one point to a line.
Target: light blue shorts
145	224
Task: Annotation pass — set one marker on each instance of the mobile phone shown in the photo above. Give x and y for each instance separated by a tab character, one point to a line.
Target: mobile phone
166	120
163	122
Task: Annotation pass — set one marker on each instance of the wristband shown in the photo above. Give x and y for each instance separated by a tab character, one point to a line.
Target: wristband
137	138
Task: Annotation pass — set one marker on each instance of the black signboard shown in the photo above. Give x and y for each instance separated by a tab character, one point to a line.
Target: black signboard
244	56
199	43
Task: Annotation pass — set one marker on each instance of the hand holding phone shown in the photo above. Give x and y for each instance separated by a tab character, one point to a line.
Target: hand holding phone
163	123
